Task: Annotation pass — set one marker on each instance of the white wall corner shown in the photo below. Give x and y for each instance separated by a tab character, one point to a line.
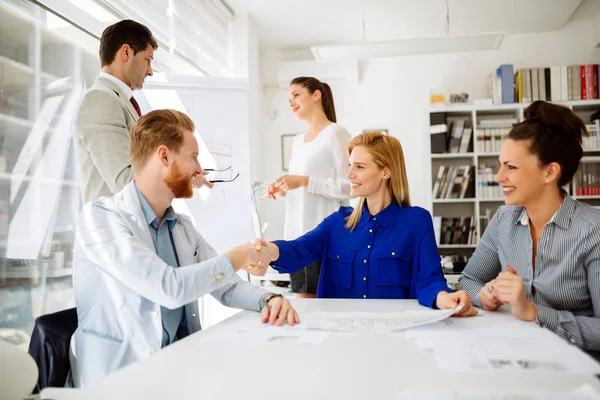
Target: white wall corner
596	24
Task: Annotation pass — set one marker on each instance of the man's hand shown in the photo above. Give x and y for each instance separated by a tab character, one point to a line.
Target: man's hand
252	257
277	311
447	301
487	297
201	180
510	289
272	248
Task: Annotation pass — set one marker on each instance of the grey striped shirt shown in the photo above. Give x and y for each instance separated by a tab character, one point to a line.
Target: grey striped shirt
565	285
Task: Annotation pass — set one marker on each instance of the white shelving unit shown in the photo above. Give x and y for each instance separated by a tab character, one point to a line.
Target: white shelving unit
476	206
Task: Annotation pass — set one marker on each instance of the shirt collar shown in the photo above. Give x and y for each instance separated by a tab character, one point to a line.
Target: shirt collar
562	216
127	91
384	217
151	218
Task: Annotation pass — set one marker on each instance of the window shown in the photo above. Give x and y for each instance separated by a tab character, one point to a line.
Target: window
45	65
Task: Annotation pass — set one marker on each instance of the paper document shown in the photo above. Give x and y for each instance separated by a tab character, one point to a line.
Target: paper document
545	354
585	392
256	332
375	322
498	342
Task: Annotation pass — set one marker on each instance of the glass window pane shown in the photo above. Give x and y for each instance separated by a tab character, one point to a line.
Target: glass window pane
44	70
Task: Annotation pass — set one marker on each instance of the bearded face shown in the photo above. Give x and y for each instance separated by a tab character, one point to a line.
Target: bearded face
179	182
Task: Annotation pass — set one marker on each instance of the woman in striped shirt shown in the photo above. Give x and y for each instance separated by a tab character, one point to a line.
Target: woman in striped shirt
541	251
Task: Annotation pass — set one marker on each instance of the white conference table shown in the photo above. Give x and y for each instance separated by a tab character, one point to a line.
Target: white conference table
344	366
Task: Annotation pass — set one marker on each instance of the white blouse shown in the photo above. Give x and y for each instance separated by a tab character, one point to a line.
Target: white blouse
325	161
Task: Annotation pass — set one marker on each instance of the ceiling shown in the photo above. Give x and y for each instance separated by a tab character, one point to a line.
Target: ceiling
288	24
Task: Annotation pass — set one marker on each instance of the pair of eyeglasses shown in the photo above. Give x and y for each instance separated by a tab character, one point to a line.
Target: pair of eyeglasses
225	180
221	170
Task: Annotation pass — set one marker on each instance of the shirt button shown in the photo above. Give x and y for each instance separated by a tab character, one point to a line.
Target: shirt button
364	296
370	230
365	261
338	256
393	253
150	351
217	277
374	219
154	315
364	278
193	315
369	246
572	340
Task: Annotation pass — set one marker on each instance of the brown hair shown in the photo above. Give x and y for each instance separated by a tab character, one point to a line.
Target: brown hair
312	85
386	152
555	133
136	35
158	127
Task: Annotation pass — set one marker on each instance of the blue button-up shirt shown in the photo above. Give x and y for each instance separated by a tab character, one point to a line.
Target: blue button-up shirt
162	238
390	255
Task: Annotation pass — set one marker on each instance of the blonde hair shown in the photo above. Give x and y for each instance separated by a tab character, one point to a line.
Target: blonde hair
158	127
386	152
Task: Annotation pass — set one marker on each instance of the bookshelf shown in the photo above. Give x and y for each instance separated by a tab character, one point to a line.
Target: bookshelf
487	126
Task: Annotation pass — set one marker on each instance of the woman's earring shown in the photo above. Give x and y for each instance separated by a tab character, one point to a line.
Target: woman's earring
546	180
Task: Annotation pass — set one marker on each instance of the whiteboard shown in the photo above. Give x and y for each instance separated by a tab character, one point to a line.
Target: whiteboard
219	109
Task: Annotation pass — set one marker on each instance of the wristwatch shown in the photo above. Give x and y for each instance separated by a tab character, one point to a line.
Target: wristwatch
268	298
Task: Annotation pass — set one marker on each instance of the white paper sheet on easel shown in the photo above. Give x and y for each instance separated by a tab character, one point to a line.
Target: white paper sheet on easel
375	322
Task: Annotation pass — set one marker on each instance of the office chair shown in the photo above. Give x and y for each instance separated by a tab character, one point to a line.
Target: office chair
49	347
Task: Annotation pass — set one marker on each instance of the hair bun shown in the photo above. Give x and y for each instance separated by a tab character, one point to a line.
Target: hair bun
560	120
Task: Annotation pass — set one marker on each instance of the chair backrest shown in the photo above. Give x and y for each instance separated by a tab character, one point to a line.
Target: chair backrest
49	347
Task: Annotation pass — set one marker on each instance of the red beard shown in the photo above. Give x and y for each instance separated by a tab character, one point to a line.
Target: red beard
179	183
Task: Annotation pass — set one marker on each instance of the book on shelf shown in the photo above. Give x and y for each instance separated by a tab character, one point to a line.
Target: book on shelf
556	83
487	187
587	179
591	142
454	182
490	140
438	129
456	230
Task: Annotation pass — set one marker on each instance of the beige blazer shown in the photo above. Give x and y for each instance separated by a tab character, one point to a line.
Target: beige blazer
101	136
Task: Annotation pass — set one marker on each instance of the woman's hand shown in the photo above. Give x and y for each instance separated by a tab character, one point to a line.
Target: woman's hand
509	289
446	301
487	297
284	184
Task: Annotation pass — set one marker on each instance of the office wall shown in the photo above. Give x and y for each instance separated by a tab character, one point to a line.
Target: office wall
393	93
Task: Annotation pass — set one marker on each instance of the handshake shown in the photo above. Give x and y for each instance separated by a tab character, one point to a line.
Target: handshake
254	257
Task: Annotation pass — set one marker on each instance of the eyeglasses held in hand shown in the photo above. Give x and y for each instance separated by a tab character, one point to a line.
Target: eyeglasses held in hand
223	180
217	170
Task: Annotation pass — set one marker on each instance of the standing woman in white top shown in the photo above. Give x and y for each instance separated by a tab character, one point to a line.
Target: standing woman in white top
316	185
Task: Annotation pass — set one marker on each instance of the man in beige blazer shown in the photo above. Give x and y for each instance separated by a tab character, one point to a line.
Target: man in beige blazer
109	110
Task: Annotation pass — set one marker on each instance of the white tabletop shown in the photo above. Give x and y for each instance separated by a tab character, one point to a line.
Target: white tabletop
344	366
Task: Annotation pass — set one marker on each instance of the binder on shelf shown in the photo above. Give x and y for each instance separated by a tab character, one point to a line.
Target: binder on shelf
505	79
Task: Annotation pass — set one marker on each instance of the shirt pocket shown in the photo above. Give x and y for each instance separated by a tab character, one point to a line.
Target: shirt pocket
392	266
340	261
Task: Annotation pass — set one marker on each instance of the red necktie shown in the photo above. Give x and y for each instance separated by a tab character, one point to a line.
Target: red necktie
136	106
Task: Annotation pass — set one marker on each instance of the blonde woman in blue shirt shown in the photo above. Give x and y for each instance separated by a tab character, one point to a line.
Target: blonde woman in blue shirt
382	249
540	254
